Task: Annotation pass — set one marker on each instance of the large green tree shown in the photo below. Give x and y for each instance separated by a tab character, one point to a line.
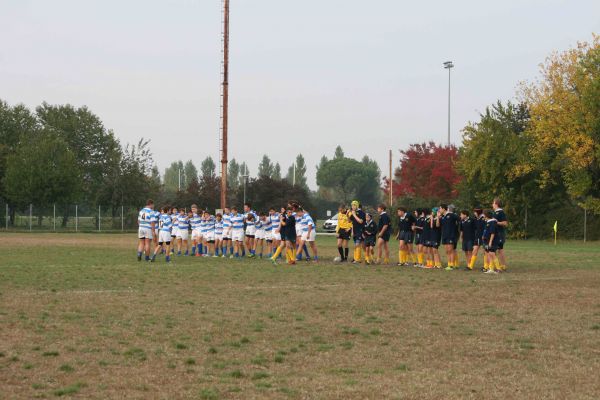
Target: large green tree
190	172
265	168
345	179
208	168
297	175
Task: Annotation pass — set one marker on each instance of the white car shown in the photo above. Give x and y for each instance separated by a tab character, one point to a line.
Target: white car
331	224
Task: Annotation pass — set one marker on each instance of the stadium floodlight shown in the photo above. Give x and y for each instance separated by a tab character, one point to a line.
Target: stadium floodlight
448	65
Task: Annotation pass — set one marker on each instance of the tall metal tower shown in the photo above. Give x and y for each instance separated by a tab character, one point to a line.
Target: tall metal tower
224	102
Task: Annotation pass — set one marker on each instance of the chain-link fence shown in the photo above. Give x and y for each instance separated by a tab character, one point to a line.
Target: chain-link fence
69	218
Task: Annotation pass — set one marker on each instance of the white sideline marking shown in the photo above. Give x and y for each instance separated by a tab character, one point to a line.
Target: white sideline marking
289	287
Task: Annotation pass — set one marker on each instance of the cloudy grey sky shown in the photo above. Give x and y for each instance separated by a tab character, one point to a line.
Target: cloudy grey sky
305	75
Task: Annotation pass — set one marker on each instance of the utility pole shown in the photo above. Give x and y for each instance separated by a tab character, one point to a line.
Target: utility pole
224	105
448	65
294	176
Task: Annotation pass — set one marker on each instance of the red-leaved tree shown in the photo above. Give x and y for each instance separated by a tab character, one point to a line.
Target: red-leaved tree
426	171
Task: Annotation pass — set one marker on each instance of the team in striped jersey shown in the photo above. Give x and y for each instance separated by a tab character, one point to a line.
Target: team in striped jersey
229	234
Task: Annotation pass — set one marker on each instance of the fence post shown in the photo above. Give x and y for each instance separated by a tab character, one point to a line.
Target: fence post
76	219
54	217
98	218
6	216
122	224
30	215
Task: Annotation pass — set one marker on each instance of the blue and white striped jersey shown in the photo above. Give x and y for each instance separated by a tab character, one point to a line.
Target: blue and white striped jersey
306	221
209	224
183	222
237	221
227	220
218	227
156	218
146	217
174	218
165	222
254	216
195	221
268	224
274	220
260	224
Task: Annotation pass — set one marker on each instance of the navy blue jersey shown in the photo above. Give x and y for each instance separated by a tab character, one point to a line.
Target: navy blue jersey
500	216
449	225
427	230
289	229
384	220
468	227
491	228
406	223
370	229
419	225
358	227
479	227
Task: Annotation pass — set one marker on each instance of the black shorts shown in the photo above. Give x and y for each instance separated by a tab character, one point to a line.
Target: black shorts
490	249
385	237
450	240
370	241
289	238
343	234
467	245
418	239
433	244
358	239
250	236
406	236
501	244
478	242
167	243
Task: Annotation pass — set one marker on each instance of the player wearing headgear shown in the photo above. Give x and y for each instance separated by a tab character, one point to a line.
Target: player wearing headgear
357	217
308	233
237	231
146	222
502	224
406	226
370	235
384	231
164	234
478	243
467	235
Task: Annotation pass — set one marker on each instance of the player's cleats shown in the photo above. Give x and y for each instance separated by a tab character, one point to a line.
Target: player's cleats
139	257
274	262
449	268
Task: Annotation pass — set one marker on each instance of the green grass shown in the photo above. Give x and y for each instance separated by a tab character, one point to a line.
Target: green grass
78	308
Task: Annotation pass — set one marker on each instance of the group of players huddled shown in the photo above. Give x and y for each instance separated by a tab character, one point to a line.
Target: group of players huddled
232	233
289	230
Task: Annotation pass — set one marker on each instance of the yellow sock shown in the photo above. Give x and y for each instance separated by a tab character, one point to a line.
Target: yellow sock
360	254
277	253
420	258
472	262
413	259
386	260
485	263
291	255
497	264
503	267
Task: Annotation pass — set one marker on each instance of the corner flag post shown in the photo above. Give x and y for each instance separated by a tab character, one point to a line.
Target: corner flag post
555	231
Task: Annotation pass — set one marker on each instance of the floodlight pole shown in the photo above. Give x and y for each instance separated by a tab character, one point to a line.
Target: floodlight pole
449	65
224	99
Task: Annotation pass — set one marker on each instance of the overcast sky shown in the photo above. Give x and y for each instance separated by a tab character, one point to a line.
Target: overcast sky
305	75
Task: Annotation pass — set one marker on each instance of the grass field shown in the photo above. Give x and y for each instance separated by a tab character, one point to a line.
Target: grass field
81	318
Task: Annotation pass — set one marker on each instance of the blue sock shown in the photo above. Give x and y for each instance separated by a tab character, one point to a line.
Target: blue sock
224	250
168	258
147	258
306	250
153	257
231	250
216	251
243	252
252	251
237	254
179	253
139	253
193	250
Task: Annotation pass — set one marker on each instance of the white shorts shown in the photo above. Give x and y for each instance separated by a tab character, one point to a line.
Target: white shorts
227	234
164	237
298	231
196	234
250	230
309	238
237	235
260	234
144	233
174	231
277	235
218	237
268	235
209	236
183	234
